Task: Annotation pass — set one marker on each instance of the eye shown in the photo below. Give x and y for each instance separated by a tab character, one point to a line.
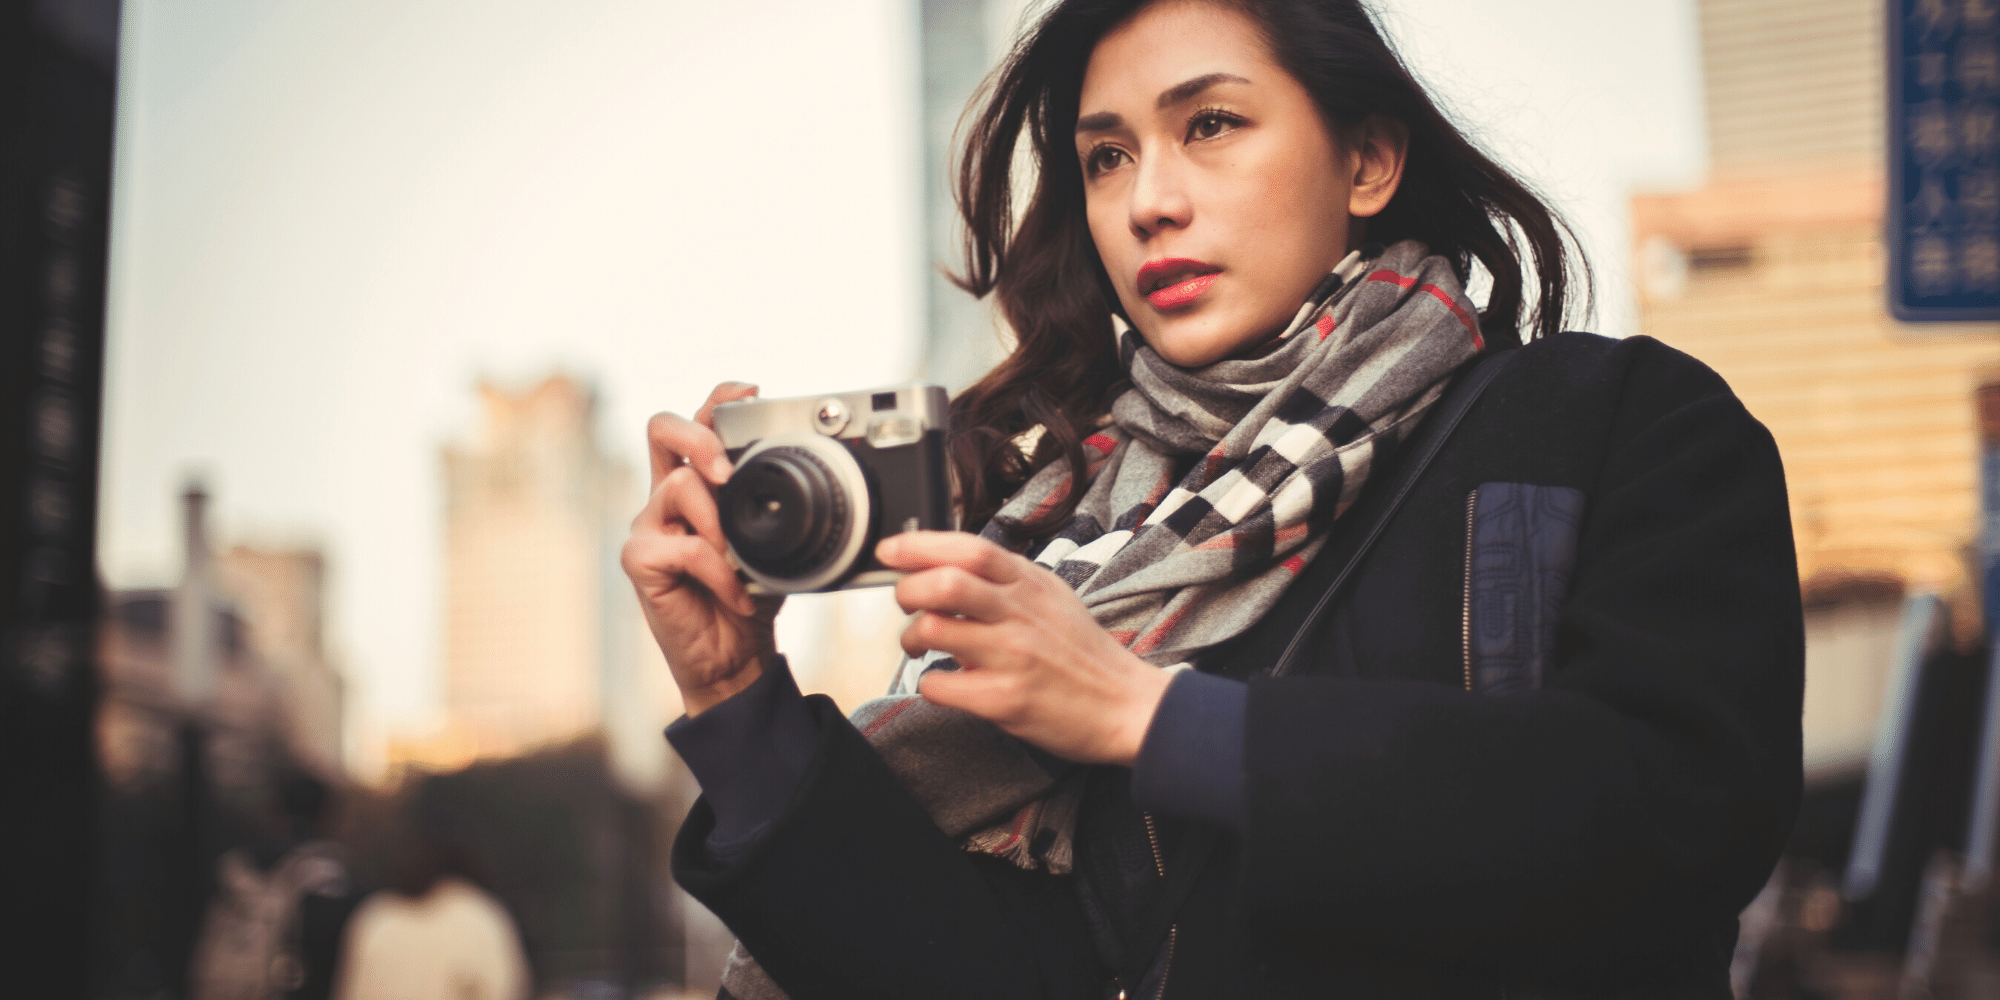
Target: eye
1101	159
1209	123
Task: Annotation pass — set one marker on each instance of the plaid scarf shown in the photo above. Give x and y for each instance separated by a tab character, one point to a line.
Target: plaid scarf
1274	447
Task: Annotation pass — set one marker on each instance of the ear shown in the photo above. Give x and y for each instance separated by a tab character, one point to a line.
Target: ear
1376	151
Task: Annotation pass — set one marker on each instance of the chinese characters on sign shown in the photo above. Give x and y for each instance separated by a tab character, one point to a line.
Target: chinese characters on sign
1944	150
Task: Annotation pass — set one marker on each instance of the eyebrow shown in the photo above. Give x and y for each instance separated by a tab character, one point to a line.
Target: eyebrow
1104	121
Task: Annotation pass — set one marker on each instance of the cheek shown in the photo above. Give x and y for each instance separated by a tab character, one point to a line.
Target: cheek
1116	249
1293	217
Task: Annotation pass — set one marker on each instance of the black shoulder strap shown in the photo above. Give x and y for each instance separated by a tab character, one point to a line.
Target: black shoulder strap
1200	841
1420	450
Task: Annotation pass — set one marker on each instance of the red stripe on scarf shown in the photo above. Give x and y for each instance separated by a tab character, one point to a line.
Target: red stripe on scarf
1124	636
1212	467
1020	823
1101	442
1055	497
1326	325
1295	564
1478	342
1158	633
888	716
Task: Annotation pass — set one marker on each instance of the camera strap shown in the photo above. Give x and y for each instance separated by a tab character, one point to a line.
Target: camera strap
1200	841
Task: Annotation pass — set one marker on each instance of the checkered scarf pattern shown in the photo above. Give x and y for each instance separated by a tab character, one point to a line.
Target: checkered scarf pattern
1274	447
1171	565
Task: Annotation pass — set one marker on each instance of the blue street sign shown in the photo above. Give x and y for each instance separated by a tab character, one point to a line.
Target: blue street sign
1944	160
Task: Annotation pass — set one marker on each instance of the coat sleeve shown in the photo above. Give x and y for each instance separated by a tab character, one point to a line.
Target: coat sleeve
1626	811
854	892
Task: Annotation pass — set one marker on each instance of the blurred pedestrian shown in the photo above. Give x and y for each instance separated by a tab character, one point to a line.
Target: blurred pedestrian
435	932
274	923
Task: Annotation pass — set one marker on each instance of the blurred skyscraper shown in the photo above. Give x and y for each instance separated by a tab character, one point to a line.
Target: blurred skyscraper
1773	274
541	633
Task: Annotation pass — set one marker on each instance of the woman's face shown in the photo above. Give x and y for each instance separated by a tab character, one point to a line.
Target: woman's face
1216	195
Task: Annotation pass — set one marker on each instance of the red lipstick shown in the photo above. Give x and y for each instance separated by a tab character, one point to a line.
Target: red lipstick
1173	282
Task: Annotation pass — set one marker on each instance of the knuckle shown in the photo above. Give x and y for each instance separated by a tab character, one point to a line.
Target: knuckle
683	486
929	627
1010	698
646	556
660	427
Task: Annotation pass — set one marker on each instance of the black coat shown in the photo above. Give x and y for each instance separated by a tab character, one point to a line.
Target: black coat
1404	837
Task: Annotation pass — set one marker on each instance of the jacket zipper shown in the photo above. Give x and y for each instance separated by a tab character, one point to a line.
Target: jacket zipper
1173	930
1465	624
1465	607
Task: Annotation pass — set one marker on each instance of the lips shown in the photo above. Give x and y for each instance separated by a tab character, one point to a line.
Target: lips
1173	282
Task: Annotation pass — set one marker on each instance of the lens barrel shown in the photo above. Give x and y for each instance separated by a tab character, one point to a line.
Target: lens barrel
785	512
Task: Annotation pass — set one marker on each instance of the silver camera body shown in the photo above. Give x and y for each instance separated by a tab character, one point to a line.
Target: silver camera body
820	479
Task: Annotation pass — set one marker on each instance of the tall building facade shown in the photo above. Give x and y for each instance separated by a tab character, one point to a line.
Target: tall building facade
1773	274
528	526
543	641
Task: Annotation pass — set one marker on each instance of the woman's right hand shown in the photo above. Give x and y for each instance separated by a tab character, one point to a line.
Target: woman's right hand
716	637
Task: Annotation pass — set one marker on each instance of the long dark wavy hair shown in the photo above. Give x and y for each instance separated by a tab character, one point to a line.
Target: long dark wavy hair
1052	288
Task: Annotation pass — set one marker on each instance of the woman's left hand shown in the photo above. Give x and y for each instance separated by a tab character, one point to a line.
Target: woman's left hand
1032	660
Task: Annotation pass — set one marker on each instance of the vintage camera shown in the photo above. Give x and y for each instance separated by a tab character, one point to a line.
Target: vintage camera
820	479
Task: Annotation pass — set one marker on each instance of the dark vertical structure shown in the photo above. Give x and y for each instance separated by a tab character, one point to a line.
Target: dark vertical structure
58	71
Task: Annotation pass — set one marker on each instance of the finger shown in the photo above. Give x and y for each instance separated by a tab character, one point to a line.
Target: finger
672	439
685	496
994	697
953	591
956	636
666	562
727	392
918	550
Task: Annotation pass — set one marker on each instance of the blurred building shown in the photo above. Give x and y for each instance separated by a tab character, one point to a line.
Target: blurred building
542	637
217	694
236	648
1773	274
281	595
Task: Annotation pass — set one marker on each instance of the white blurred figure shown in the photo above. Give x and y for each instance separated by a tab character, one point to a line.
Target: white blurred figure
453	941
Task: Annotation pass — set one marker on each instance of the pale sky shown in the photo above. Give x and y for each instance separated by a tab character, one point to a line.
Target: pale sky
332	218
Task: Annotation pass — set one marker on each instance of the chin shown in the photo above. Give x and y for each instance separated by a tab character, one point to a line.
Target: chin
1197	348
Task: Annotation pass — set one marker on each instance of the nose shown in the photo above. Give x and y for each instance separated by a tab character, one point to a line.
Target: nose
1159	198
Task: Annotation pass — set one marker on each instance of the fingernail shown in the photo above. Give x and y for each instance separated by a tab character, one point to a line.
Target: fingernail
720	468
890	548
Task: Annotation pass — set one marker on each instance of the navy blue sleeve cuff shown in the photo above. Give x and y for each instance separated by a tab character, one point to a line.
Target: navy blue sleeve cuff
1191	763
748	754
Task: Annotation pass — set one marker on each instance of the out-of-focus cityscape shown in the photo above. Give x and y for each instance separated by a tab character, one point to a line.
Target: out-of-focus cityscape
265	821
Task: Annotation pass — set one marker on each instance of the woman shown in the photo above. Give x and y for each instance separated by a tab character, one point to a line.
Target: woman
1543	743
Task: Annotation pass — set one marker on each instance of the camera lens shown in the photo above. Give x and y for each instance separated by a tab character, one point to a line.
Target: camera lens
784	512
